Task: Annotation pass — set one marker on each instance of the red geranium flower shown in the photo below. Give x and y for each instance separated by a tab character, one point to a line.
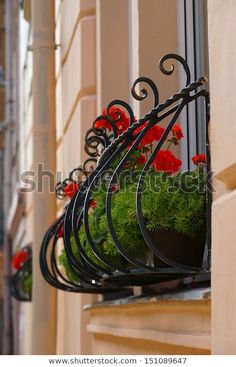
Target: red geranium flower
71	189
19	259
153	134
103	122
141	159
61	231
199	158
177	131
115	187
166	161
122	124
92	204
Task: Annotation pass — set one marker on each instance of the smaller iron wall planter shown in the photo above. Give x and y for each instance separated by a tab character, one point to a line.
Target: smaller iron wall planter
21	281
113	151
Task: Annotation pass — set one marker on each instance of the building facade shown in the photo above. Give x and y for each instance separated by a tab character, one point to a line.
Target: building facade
65	60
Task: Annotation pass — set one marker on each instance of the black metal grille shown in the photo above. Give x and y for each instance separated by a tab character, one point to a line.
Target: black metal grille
113	151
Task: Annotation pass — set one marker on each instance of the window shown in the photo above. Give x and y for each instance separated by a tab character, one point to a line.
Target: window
192	28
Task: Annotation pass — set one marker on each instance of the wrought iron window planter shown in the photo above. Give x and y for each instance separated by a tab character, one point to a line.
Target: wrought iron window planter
21	280
113	150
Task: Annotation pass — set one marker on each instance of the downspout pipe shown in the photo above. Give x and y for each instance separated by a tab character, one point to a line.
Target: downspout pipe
7	163
43	332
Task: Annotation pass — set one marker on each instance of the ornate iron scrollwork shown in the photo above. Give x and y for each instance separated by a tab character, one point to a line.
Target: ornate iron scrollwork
114	149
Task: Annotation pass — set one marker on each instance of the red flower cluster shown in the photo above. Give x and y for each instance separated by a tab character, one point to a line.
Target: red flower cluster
71	189
115	188
19	258
199	158
177	131
166	161
153	134
115	112
92	204
141	160
61	231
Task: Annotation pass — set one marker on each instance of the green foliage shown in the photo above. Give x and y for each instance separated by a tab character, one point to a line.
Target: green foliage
100	236
27	282
64	262
174	203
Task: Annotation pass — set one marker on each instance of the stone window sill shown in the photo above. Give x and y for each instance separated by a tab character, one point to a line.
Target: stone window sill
180	319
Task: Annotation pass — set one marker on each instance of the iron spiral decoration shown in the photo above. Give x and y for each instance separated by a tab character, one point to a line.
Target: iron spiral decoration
111	150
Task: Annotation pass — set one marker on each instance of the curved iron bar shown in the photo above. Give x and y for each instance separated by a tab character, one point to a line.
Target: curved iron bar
97	138
88	195
74	206
209	174
16	287
82	269
82	193
53	274
89	165
177	58
77	176
82	276
94	268
144	91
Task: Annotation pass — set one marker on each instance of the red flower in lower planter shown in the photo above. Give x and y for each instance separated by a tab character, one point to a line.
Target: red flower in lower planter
166	161
115	112
19	258
199	158
71	189
153	134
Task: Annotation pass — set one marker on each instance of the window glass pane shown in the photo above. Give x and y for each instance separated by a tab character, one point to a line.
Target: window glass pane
192	29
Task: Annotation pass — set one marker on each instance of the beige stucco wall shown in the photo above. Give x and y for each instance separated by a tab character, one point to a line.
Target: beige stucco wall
76	109
154	34
36	326
90	71
223	129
